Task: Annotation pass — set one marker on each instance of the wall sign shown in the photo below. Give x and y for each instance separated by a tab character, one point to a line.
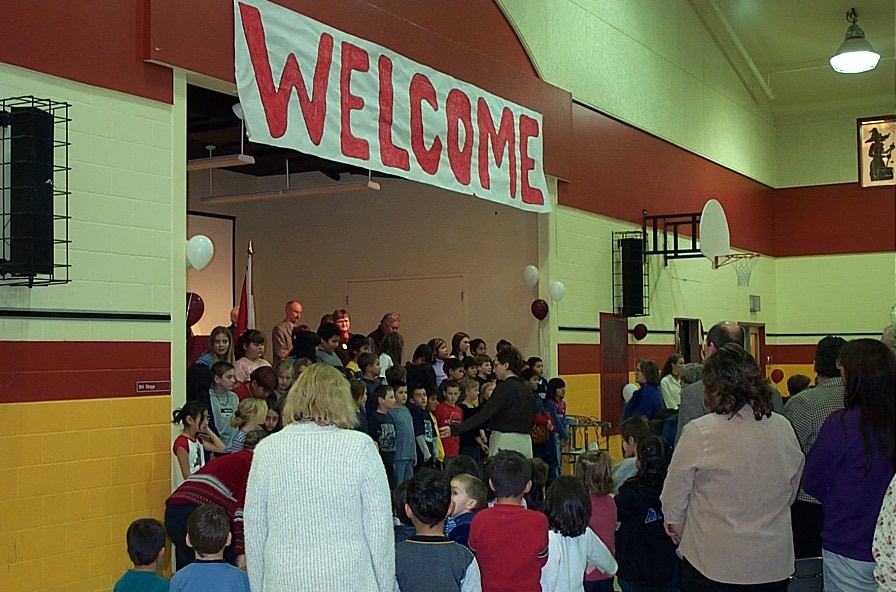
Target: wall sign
160	387
309	87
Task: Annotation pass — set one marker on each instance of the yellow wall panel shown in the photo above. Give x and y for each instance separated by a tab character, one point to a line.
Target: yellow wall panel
70	488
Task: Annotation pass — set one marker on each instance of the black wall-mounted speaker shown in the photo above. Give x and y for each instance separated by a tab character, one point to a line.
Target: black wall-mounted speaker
31	192
632	276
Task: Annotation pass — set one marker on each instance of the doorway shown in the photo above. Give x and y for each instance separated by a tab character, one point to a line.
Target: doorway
614	371
689	339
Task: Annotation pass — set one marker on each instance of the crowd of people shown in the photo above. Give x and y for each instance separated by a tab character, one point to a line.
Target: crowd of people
343	466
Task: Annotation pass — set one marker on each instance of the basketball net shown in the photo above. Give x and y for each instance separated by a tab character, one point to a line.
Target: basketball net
743	264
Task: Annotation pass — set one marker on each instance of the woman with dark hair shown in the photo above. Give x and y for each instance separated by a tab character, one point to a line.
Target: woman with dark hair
852	462
460	345
670	381
343	320
733	477
647	400
509	411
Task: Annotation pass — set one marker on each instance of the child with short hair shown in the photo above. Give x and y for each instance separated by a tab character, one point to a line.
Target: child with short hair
633	430
249	349
510	542
448	414
249	415
370	372
146	548
357	345
470	369
330	335
208	533
424	430
797	384
641	538
483	369
401	522
454	370
595	469
432	403
572	545
196	437
223	402
286	376
448	566
382	429
405	441
537	366
469	496
472	443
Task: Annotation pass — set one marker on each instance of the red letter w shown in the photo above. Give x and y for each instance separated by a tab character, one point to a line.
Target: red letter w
276	101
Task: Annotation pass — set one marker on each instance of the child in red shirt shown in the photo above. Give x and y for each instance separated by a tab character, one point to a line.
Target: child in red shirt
448	414
510	542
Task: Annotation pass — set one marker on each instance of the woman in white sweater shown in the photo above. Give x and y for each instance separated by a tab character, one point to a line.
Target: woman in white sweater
318	510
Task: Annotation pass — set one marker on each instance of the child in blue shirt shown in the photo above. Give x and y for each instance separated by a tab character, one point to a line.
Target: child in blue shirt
146	548
208	533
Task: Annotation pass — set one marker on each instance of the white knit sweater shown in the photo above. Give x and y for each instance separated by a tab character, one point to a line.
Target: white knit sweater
318	514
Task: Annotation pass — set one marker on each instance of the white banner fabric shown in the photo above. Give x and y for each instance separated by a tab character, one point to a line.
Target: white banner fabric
314	89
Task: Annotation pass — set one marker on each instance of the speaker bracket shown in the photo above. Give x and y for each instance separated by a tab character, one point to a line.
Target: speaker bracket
674	236
34	182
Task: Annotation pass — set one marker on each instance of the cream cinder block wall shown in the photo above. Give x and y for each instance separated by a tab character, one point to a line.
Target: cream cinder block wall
818	146
123	213
834	294
653	65
306	248
687	288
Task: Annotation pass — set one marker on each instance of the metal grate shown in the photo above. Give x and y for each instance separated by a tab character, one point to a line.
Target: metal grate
34	154
622	302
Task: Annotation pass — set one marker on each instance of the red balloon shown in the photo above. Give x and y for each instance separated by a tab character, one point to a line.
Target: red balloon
195	308
777	375
539	309
640	331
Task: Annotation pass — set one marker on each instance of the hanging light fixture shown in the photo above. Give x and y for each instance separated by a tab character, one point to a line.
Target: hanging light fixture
855	53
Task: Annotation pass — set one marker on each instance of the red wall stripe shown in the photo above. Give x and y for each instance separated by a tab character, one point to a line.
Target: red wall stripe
96	42
791	354
576	358
834	219
67	370
620	171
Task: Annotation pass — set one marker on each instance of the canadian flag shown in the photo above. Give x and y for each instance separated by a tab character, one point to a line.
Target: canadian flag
246	318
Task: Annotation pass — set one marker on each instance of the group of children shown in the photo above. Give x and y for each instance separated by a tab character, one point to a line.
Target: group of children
208	533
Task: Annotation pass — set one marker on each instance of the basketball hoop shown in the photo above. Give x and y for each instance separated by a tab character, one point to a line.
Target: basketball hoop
743	264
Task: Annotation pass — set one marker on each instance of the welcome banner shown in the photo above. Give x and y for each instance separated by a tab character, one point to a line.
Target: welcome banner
314	89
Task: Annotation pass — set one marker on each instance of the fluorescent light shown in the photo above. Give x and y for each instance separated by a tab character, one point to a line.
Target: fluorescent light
293	192
219	162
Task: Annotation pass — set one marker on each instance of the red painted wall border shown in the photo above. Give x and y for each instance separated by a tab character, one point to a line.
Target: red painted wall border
69	370
578	358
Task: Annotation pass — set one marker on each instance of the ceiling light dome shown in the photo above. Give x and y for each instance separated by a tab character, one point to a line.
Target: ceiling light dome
855	54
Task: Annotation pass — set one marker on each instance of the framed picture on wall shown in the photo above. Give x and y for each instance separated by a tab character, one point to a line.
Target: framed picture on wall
876	141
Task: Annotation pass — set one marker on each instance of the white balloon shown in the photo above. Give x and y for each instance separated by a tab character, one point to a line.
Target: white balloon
200	251
556	290
530	275
187	257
